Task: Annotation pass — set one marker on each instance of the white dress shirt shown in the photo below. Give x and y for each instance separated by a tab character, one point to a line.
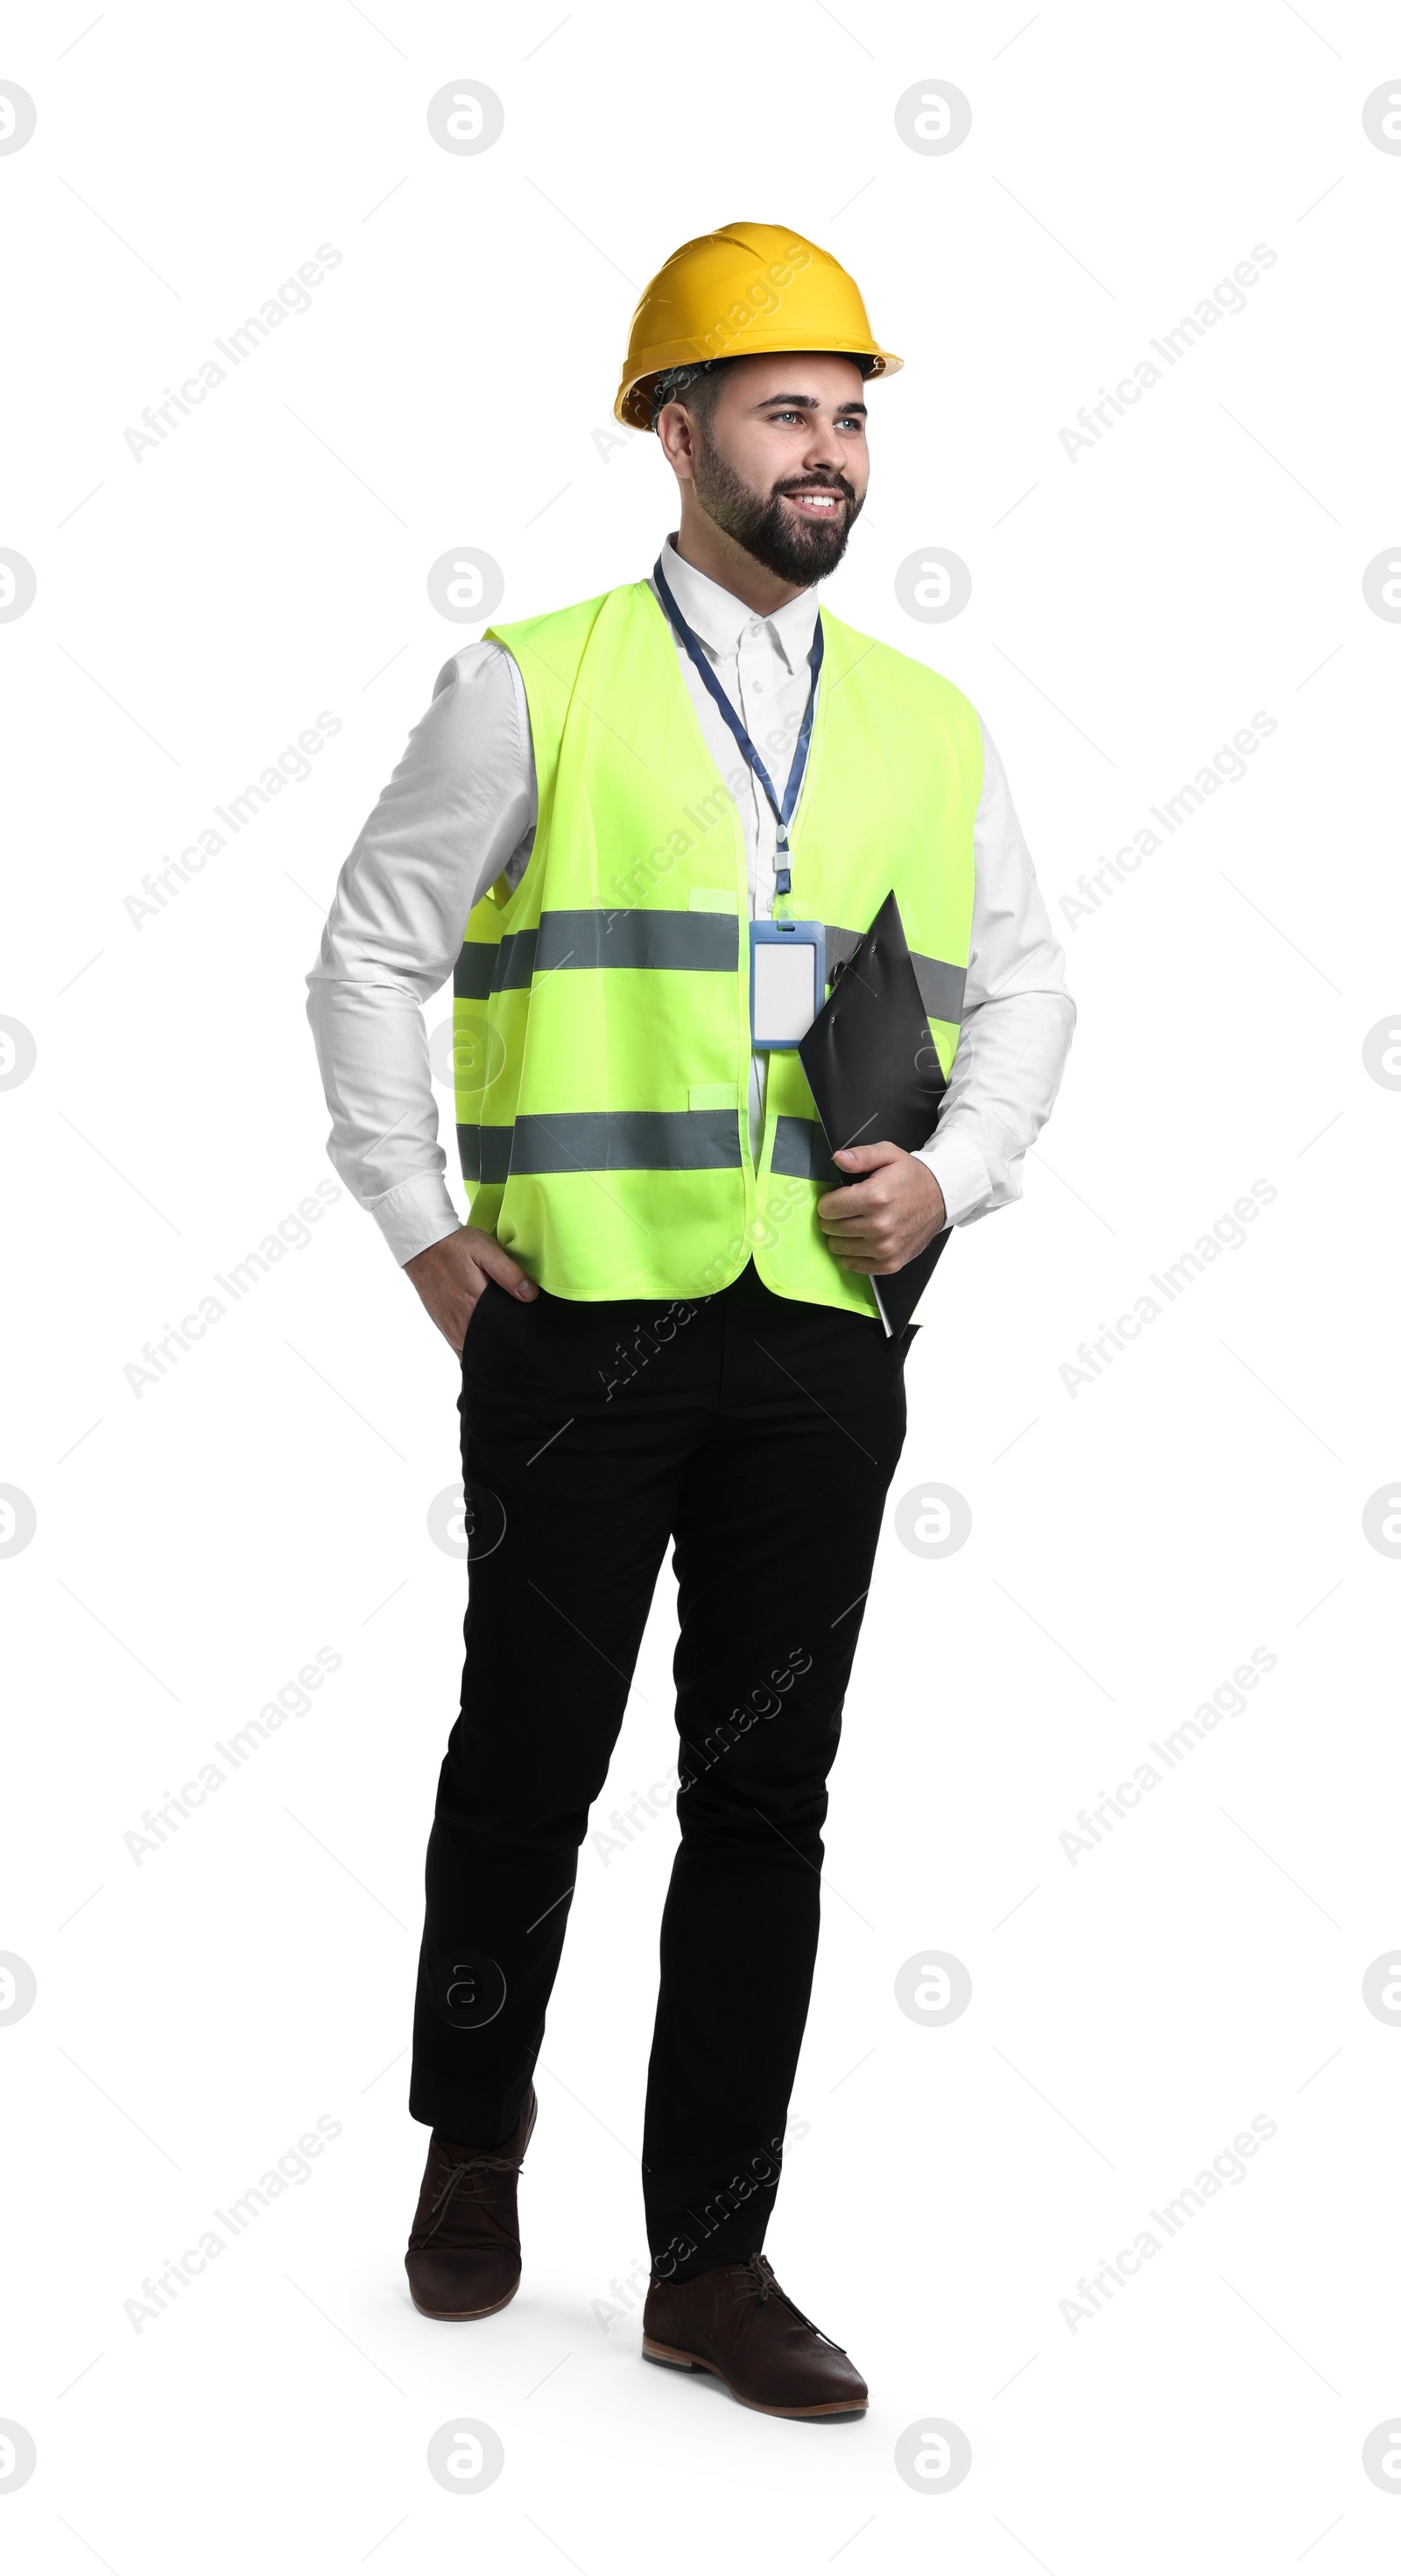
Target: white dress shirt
460	810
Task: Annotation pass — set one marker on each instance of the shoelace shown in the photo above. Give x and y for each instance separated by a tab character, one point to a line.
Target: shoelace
756	2279
460	2172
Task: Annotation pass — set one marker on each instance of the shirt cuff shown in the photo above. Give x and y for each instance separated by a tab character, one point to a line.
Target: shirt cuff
962	1175
417	1213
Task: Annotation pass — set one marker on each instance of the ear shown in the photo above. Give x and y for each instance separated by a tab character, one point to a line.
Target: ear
675	433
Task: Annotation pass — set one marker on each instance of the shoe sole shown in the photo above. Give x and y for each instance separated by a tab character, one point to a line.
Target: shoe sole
463	2316
672	2359
466	2316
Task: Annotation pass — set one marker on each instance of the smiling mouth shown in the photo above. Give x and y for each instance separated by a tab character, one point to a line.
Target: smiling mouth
816	504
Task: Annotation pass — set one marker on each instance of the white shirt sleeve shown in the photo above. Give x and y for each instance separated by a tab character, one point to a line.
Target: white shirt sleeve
459	810
1018	1020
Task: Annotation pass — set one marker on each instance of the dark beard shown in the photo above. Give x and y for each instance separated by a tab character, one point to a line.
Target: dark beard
796	550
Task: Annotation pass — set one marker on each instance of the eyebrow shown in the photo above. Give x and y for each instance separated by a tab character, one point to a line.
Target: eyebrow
808	402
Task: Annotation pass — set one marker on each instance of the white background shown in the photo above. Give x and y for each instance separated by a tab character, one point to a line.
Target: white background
1132	1542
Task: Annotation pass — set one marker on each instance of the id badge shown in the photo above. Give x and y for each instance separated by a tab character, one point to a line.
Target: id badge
786	976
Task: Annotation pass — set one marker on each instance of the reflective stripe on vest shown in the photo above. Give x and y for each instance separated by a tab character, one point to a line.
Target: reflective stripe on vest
604	1140
800	1148
601	1011
693	940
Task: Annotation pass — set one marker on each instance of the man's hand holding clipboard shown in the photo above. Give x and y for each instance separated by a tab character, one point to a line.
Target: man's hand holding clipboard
877	1083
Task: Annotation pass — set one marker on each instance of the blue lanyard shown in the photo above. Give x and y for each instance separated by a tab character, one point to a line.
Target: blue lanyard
783	813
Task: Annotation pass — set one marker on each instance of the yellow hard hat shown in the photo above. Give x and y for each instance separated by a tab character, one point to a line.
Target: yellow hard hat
743	292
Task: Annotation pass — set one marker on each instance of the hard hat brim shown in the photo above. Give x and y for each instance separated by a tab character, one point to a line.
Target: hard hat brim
633	406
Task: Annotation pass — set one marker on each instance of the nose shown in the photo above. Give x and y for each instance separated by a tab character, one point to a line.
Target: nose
829	459
825	453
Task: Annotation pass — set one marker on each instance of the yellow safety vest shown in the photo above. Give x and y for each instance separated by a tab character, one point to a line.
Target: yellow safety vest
601	1011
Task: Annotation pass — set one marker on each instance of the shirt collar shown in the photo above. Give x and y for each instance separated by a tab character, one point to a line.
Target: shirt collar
720	620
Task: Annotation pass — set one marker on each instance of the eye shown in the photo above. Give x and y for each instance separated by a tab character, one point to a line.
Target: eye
785	415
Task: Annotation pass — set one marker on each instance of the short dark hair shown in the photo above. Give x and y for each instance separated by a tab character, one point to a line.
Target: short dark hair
699	386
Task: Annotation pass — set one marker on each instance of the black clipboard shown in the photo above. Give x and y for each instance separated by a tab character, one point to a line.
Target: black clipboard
875	1076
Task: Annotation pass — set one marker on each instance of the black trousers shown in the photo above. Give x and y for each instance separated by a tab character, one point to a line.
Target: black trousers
759	1436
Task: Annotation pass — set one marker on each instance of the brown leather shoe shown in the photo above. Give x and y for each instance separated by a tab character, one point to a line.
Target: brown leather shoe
738	2323
464	2257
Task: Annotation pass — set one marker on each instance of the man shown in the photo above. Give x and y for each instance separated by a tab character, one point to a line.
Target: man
663	1300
